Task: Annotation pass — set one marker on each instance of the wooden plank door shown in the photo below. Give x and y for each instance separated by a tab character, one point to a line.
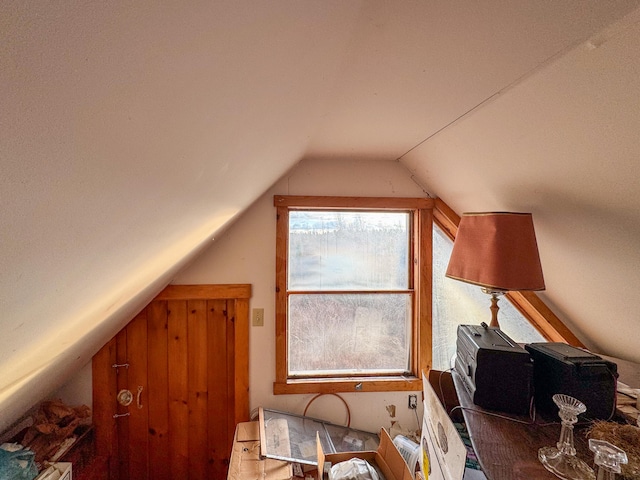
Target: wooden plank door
184	359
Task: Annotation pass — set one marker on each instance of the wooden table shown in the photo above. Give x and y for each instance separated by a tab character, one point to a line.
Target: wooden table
509	450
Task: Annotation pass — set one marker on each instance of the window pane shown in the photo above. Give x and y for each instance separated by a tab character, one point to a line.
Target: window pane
349	334
456	303
330	250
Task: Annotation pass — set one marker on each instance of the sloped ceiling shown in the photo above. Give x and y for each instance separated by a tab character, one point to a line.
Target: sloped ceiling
132	132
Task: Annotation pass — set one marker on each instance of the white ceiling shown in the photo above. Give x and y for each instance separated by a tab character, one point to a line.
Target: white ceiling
131	132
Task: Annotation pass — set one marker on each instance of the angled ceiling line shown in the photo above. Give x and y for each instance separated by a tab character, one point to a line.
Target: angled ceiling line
590	44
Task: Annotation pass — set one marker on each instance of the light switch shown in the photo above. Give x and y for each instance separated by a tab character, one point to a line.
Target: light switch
257	317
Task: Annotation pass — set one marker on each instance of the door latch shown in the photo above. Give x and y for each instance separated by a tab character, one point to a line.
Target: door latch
125	397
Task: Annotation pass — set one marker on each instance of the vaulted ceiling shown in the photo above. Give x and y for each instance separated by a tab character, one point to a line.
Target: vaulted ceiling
132	132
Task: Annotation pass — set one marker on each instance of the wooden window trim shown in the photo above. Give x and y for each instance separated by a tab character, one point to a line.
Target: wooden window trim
527	303
421	347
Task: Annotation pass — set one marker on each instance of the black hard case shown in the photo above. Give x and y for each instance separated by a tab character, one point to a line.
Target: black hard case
562	368
496	371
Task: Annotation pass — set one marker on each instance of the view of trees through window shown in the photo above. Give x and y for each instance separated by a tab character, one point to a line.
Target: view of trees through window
341	334
350	302
342	250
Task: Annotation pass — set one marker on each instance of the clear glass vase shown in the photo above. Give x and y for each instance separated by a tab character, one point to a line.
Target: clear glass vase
561	460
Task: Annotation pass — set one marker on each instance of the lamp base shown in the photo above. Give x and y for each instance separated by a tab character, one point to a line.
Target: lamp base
495	293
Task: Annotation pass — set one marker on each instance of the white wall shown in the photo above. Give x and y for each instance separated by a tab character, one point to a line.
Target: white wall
245	253
79	391
564	145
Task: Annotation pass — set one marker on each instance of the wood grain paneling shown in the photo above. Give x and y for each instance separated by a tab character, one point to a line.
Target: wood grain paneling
178	388
198	387
220	368
138	446
158	381
122	428
190	357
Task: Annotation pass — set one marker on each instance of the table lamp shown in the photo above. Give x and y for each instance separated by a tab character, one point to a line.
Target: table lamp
497	251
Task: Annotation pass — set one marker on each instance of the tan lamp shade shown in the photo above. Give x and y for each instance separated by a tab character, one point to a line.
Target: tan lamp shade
498	251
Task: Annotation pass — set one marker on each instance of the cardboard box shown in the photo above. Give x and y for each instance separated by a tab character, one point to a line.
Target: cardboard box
387	458
246	463
56	471
443	453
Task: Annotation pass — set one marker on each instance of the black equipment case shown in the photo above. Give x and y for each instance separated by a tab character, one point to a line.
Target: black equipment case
496	371
562	368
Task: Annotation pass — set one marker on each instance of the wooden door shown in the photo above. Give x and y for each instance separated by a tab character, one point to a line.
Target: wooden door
184	359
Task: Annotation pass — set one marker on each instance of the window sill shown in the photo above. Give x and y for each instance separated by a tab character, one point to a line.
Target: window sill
333	385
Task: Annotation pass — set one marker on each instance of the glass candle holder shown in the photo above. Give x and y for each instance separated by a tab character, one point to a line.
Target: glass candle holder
608	459
561	460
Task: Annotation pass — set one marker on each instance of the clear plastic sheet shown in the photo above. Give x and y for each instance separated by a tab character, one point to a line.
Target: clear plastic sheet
293	437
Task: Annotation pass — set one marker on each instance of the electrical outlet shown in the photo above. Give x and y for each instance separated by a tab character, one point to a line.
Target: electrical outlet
413	401
257	317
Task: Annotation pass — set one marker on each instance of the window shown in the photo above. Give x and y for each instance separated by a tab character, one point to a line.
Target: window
353	293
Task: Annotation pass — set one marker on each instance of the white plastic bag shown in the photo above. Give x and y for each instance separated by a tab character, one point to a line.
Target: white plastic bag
353	469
